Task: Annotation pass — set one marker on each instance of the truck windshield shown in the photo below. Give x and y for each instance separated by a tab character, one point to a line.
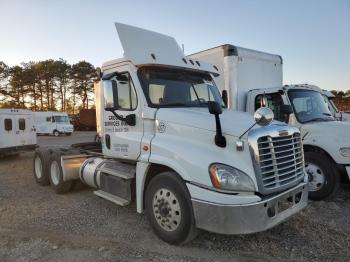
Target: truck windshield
61	119
178	88
309	106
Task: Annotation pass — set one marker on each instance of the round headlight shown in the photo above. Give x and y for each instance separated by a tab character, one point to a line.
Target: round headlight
229	178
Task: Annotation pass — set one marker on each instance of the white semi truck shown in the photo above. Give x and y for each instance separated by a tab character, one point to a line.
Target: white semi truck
168	143
52	123
17	132
251	79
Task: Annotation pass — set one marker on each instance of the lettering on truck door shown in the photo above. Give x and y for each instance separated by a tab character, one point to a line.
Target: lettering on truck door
124	140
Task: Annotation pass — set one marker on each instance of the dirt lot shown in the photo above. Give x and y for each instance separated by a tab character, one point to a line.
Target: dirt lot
38	225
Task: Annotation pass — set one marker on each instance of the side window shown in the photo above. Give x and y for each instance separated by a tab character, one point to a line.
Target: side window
274	102
8	124
202	91
156	93
48	119
21	124
127	99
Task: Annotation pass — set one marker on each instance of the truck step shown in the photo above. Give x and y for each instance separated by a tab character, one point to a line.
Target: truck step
122	170
115	199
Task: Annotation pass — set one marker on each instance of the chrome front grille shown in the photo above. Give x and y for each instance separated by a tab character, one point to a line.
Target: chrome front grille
280	160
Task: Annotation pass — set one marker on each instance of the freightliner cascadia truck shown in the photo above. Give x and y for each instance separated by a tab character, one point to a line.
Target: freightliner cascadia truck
169	144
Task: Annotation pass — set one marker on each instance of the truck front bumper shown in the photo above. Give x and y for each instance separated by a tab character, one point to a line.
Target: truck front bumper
250	218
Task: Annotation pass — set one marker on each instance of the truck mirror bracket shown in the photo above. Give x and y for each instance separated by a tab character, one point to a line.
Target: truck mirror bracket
215	109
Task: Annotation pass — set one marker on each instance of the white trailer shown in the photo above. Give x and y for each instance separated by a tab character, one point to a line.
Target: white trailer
54	123
17	132
254	79
168	143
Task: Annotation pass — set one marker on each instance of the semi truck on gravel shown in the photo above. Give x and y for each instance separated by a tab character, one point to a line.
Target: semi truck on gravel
17	132
169	144
251	79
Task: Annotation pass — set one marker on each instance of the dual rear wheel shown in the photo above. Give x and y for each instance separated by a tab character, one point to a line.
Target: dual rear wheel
48	170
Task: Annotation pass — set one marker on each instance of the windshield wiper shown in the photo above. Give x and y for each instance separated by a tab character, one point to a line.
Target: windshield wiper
327	114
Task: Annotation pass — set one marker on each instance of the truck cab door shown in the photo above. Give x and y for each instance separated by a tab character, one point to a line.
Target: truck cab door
120	139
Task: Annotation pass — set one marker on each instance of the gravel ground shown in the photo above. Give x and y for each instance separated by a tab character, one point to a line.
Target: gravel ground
38	225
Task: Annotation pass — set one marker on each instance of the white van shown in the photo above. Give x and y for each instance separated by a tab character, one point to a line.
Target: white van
17	132
55	123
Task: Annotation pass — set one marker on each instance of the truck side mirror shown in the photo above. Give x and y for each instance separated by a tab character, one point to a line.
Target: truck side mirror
263	116
225	97
215	109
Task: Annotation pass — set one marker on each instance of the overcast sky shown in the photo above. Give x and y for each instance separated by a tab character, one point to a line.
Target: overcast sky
312	36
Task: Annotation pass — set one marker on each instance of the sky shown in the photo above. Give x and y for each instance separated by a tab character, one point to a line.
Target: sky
312	36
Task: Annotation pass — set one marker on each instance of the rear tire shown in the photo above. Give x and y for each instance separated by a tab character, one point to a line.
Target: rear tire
323	176
41	161
169	209
56	175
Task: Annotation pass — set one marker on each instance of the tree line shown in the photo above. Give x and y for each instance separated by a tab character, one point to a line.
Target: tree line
50	85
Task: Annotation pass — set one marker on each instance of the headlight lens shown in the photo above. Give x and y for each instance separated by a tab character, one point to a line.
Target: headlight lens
345	151
230	178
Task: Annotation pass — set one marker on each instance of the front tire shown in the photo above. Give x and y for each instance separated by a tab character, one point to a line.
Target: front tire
56	175
323	177
169	209
56	133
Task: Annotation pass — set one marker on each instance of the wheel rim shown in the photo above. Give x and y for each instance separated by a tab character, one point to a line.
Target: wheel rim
166	209
38	167
316	177
55	172
55	133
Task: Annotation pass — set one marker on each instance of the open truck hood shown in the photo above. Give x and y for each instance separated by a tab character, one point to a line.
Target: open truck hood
144	47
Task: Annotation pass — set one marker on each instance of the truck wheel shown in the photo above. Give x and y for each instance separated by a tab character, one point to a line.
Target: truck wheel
323	177
68	134
41	162
56	175
56	133
169	209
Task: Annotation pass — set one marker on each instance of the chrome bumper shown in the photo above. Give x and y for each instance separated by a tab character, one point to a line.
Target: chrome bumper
250	218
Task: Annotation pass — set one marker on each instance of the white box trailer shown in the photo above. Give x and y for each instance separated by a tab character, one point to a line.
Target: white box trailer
241	70
54	123
17	132
253	79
